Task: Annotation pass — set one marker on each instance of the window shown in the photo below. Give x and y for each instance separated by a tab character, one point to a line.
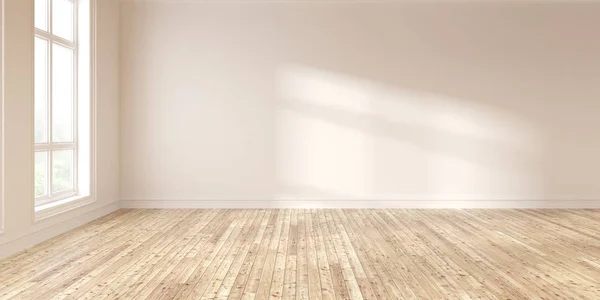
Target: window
62	100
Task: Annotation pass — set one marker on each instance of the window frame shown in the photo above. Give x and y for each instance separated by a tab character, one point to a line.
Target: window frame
49	147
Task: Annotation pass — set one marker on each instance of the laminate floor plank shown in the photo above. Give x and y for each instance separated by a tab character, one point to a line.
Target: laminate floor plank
315	254
289	278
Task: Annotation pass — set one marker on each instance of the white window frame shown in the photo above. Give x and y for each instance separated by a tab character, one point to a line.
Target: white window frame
49	147
83	192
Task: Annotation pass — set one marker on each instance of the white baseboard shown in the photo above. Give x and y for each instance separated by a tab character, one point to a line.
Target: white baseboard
37	237
499	204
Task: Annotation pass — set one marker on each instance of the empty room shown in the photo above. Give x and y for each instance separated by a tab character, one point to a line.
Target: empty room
299	149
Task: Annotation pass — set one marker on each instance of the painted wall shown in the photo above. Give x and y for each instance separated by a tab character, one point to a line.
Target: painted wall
1	117
20	229
259	102
381	101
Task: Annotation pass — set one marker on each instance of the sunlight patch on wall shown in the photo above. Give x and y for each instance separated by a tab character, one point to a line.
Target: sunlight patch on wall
342	137
321	158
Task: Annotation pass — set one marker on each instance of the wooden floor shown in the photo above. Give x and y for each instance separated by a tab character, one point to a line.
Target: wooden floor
316	254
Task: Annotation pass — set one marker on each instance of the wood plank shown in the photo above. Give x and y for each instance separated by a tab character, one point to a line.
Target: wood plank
323	264
279	274
241	278
254	277
289	279
315	254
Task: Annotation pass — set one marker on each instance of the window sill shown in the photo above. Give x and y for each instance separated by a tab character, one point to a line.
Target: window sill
55	208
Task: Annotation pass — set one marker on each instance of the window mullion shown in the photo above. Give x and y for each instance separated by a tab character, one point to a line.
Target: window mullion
43	34
42	147
50	89
50	6
56	147
75	164
63	42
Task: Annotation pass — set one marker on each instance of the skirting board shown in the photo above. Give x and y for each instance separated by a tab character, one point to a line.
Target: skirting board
37	237
498	204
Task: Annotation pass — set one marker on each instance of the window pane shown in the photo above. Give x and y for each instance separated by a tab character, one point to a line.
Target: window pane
62	94
41	14
62	170
41	174
41	90
62	18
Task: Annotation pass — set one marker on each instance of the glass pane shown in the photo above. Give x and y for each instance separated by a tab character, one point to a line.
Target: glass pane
62	18
41	174
41	14
41	90
62	94
62	170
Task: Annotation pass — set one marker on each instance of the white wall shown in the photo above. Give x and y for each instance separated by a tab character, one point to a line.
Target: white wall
20	229
1	116
439	104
